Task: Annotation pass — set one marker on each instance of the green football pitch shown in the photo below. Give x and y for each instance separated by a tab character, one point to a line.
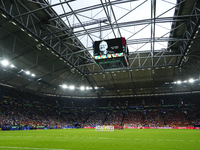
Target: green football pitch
89	139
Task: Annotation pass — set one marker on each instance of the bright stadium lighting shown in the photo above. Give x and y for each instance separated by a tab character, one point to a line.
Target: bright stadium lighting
27	72
12	66
82	88
64	86
4	15
191	80
14	23
178	82
4	62
33	75
71	87
87	88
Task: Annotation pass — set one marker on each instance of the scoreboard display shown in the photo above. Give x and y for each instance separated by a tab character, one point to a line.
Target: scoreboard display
111	53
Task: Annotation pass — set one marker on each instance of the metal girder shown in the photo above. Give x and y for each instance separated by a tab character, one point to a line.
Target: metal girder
161	57
148	40
153	24
49	5
135	23
131	79
141	59
157	39
45	5
83	24
108	16
190	34
53	77
116	26
136	41
91	8
136	80
27	46
30	23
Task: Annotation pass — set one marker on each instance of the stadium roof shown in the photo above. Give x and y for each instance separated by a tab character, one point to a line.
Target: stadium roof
48	46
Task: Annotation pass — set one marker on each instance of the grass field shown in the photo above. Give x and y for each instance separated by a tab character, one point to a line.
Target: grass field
89	139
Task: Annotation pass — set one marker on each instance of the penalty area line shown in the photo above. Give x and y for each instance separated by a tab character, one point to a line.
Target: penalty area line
9	147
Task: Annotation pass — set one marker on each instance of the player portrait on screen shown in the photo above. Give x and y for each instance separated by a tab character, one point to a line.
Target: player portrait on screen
103	48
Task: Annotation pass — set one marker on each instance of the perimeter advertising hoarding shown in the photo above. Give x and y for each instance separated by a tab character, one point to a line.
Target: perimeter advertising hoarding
111	53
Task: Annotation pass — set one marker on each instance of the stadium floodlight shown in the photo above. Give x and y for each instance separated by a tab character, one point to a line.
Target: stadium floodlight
95	88
13	66
82	88
178	82
33	75
14	23
71	87
87	88
4	62
4	15
64	86
191	80
27	72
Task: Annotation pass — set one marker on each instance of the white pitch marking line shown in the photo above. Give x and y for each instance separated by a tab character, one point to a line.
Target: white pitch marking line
8	147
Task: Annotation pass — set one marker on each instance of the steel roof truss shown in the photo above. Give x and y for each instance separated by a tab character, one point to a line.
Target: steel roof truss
34	31
189	33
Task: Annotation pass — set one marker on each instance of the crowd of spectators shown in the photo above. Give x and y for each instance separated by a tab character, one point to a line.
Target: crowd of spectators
114	118
94	119
133	118
23	109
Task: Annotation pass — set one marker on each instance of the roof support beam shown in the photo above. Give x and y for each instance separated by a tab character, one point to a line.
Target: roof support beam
91	8
30	24
190	33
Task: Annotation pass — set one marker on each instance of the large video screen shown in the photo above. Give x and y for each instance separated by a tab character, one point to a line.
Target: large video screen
111	48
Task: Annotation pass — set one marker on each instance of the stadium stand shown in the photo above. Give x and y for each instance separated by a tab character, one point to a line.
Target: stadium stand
21	110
